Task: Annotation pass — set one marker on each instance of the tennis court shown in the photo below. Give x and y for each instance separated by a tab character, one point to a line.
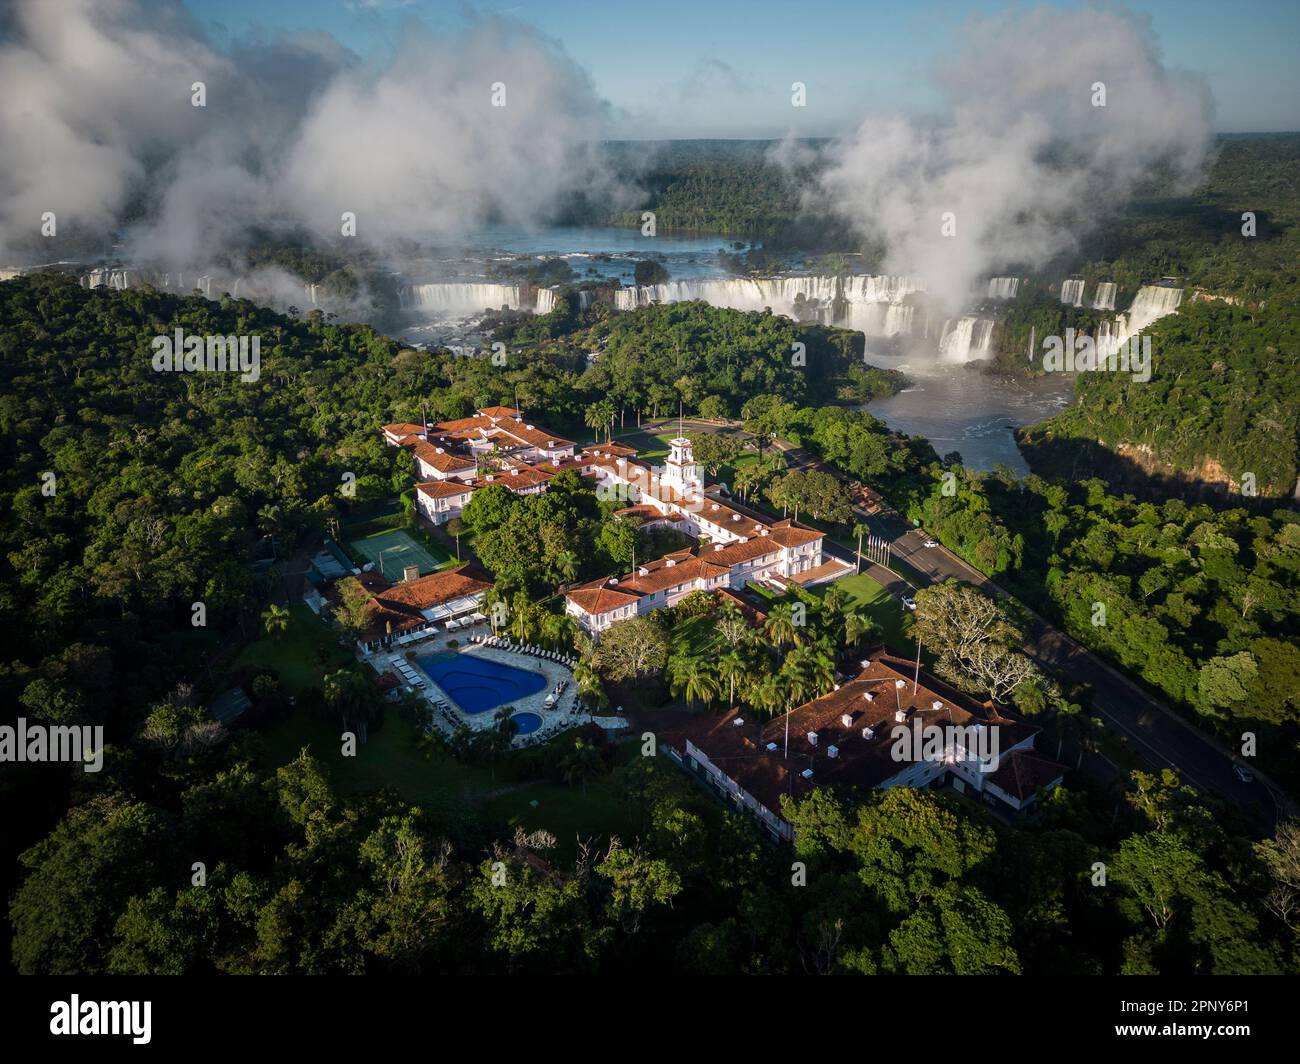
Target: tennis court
394	550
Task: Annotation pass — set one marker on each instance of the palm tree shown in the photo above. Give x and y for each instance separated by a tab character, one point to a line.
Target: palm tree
566	564
812	671
504	724
732	667
581	764
600	415
590	687
523	622
861	531
694	679
275	619
456	527
857	626
780	626
766	695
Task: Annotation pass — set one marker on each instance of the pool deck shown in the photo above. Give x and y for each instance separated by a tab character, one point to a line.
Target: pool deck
555	719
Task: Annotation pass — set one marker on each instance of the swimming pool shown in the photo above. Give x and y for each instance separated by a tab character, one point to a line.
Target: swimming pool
526	723
479	684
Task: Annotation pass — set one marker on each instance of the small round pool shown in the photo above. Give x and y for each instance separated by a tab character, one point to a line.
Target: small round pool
526	723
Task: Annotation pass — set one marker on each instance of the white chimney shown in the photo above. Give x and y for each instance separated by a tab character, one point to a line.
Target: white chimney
812	738
738	722
832	751
771	747
868	733
846	719
900	716
807	773
870	696
936	705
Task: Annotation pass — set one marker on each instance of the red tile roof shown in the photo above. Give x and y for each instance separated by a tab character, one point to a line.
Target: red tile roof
741	750
1023	772
598	600
444	489
441	459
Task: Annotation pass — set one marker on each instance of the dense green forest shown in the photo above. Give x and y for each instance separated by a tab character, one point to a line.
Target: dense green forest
1223	401
166	486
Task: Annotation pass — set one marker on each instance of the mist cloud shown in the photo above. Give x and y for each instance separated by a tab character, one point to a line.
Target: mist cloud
97	125
1024	160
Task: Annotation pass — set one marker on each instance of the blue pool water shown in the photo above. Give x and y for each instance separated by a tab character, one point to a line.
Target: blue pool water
526	723
477	684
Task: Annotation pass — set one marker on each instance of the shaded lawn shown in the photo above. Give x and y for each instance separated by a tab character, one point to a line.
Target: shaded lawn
697	635
392	759
301	654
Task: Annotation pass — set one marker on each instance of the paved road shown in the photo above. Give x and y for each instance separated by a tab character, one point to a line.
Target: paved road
1161	735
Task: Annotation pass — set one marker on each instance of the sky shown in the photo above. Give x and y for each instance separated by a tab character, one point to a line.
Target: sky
721	68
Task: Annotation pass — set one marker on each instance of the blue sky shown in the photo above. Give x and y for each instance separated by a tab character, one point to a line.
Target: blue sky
723	68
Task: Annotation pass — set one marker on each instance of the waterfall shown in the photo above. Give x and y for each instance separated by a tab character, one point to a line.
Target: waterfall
966	341
1072	292
1151	302
460	299
873	305
1003	287
1105	297
118	279
545	301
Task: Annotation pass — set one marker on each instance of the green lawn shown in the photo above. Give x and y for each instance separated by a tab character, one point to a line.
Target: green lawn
650	445
300	655
870	597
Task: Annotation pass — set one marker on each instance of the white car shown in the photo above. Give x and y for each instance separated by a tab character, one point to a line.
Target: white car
909	603
930	543
1243	773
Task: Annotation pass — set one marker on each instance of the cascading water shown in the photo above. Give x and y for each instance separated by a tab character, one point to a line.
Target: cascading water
967	340
1003	287
1104	299
873	305
545	301
1072	292
460	299
1152	302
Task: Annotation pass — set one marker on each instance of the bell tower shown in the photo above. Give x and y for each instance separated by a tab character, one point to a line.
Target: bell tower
681	473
